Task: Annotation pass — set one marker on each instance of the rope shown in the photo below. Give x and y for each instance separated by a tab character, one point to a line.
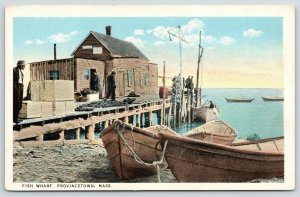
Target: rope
137	158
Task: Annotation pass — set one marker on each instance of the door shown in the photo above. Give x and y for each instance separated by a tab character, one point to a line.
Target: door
121	82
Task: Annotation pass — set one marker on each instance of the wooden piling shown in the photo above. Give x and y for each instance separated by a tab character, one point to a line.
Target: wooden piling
138	120
169	117
164	94
40	138
77	133
150	118
126	119
62	135
91	132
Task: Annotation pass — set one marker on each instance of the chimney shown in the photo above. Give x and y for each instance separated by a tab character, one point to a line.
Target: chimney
54	51
108	30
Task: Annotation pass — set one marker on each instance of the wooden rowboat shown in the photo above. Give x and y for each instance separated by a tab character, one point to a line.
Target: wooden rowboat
132	150
205	113
216	131
239	100
275	98
193	160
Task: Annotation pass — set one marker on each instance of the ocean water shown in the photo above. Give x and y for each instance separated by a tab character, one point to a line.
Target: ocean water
260	117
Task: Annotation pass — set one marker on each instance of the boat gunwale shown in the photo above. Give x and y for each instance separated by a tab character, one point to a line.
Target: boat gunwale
127	126
214	134
164	137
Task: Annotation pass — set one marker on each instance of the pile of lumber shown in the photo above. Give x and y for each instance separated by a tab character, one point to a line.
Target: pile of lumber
49	98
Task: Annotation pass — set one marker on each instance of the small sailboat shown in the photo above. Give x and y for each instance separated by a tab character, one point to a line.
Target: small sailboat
216	131
274	98
201	111
239	100
133	150
192	160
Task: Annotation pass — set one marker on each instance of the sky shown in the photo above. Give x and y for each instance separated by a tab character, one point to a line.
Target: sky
239	52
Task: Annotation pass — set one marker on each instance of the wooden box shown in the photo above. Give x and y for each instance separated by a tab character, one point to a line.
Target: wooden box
70	107
57	90
35	90
30	109
46	109
59	108
92	97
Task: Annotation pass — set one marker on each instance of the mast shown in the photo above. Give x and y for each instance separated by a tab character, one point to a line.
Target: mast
200	52
181	39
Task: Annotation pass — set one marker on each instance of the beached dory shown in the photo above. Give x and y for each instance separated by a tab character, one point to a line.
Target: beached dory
193	160
216	131
132	150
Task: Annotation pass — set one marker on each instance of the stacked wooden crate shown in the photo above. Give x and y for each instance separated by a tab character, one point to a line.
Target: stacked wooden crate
49	98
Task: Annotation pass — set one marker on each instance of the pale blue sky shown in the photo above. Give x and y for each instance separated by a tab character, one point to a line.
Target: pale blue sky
236	49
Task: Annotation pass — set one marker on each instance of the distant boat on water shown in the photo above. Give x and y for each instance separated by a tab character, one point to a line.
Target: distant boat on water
216	131
240	100
274	98
192	160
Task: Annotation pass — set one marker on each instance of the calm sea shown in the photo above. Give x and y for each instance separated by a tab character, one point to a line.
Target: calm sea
260	117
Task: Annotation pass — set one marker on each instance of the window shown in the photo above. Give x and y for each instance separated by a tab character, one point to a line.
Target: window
130	77
87	47
97	50
86	74
145	79
54	75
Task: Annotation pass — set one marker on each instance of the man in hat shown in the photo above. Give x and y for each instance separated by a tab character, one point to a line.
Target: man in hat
95	83
18	89
111	86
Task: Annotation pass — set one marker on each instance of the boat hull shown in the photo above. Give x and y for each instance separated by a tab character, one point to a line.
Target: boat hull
197	161
241	100
145	145
205	114
273	98
215	131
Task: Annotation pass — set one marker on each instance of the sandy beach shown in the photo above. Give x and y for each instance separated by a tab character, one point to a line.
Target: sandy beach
80	163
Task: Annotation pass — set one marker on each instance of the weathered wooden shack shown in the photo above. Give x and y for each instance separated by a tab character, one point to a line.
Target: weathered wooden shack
103	53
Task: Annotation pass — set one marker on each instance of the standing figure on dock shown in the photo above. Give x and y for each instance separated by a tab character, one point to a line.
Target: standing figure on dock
95	83
111	86
18	89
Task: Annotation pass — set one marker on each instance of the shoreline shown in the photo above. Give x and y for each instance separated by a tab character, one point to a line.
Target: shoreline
79	163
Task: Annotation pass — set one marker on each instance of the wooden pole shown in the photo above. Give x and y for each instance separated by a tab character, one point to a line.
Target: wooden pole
91	133
62	135
78	133
164	93
188	106
150	118
169	117
138	120
126	119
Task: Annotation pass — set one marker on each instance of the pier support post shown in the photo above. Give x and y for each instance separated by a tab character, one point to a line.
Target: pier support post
126	119
91	133
78	133
150	118
138	120
169	116
105	124
62	135
40	138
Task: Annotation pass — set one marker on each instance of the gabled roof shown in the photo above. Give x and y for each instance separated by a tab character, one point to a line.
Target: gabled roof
119	48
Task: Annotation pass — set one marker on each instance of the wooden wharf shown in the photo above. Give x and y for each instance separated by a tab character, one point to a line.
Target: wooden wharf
56	130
